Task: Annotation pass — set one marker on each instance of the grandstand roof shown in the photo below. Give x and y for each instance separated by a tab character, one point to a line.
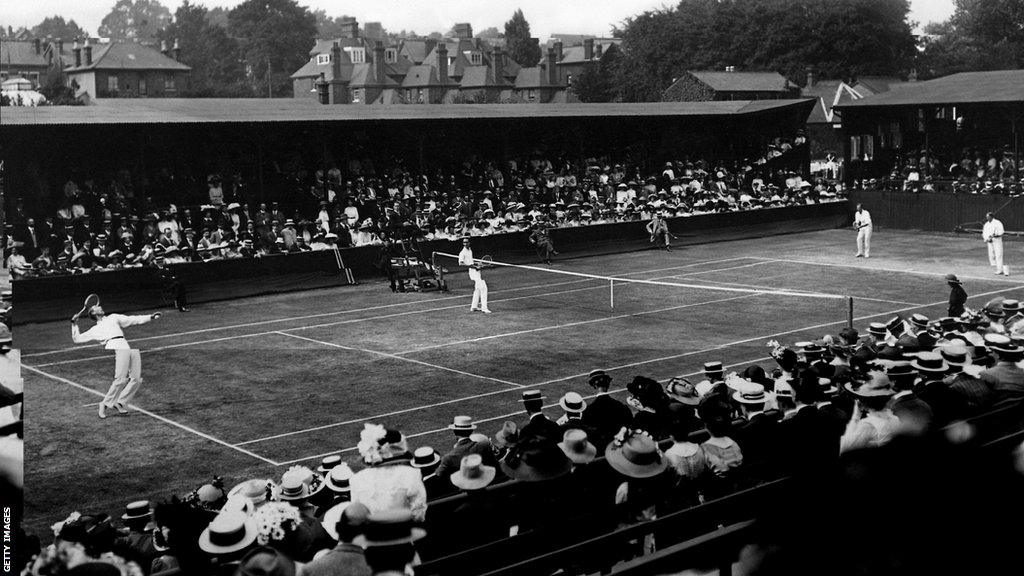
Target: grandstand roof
236	110
994	87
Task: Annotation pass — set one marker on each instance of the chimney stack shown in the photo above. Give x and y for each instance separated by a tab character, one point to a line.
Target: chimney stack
60	47
78	54
442	62
349	27
552	72
176	50
559	54
38	45
598	51
322	90
811	80
496	64
378	61
463	31
588	48
335	61
88	52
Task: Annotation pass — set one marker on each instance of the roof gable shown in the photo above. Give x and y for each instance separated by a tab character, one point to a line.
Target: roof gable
742	81
421	76
21	54
129	56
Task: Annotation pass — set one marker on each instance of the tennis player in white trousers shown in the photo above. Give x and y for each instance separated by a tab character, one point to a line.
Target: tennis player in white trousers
862	223
992	233
127	362
479	285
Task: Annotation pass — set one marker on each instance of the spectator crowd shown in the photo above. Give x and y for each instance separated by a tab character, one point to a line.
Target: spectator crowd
598	464
105	224
973	171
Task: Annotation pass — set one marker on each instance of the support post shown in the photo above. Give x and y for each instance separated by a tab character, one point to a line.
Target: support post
849	312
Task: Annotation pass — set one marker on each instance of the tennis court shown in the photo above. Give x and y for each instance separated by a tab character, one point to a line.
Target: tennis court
248	387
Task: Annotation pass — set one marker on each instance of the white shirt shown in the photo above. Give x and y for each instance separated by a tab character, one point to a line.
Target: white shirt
466	257
109	331
862	219
990	230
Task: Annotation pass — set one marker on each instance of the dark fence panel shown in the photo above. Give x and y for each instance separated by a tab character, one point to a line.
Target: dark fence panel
937	212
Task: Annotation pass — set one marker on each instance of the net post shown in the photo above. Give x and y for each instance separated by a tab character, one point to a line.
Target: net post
849	311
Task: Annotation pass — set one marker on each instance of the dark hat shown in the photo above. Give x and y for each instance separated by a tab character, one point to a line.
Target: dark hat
598	377
713	367
878	386
636	455
577	447
895	325
952	279
137	510
900	371
266	561
536	461
813	350
532	396
389	527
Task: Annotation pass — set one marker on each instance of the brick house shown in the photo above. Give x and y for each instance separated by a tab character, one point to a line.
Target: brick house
126	70
571	59
31	59
730	85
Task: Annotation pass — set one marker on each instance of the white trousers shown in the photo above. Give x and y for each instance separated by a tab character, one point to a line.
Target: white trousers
864	241
479	295
995	255
127	377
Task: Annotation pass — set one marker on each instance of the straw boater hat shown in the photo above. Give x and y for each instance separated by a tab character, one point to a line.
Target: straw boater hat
955	354
256	491
424	457
137	510
920	321
337	479
230	531
572	402
930	363
713	368
462	425
328	463
389	528
636	456
576	447
750	393
877	329
473	474
299	483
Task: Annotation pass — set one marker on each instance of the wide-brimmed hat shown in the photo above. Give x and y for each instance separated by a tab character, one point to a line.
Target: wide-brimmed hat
952	279
229	532
266	561
425	456
337	480
334	513
749	392
636	456
878	386
507	436
682	390
930	362
536	461
572	402
577	447
473	474
299	483
389	527
598	378
462	425
256	491
137	510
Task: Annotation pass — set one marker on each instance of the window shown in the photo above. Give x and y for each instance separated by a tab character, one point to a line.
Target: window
34	77
390	55
358	55
112	83
142	84
169	85
357	96
322	59
531	94
476	58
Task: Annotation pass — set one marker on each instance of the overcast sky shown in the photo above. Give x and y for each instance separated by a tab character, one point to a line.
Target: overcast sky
421	16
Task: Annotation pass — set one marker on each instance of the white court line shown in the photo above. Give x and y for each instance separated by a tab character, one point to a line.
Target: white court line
383	306
689	274
502	417
155	416
619	367
897	302
394	357
879	269
571	324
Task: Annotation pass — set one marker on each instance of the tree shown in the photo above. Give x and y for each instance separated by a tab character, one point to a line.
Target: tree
213	55
981	35
135	19
596	82
326	26
518	42
57	92
491	33
57	27
275	37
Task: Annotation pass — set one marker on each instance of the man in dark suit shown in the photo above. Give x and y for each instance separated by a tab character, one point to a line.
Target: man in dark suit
974	394
538	425
1006	378
946	404
916	416
605	415
462	427
136	543
30	238
758	434
807	436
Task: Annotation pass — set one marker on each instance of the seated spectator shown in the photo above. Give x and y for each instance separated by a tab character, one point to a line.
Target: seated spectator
388	482
344	522
873	423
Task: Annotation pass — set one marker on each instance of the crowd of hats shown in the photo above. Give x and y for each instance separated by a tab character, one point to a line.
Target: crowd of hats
970	171
99	226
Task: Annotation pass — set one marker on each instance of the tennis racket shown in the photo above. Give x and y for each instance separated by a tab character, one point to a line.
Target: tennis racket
90	301
486	262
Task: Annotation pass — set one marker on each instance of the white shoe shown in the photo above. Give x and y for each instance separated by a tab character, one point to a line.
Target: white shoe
102	411
120	408
486	311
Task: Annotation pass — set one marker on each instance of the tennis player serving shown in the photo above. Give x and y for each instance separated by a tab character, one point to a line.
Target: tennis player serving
108	330
479	284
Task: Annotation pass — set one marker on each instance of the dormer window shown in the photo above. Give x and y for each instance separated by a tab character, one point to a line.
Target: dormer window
322	59
476	58
358	55
390	55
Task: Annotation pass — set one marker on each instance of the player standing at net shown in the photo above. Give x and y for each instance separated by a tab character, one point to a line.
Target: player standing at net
479	285
108	330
